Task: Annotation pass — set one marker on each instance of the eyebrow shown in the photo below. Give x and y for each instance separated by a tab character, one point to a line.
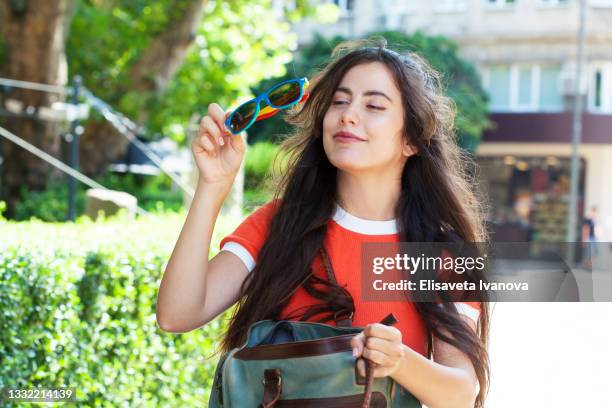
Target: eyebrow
366	93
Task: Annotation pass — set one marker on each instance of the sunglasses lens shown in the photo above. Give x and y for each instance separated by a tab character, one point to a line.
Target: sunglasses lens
284	94
242	116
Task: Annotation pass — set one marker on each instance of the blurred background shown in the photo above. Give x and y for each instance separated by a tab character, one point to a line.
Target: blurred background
100	99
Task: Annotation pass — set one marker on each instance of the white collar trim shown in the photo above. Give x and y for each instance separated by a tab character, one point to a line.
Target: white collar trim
363	226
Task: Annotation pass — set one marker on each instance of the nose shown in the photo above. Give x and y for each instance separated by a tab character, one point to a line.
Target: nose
349	115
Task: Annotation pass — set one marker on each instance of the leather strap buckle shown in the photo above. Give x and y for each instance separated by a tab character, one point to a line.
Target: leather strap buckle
272	387
272	381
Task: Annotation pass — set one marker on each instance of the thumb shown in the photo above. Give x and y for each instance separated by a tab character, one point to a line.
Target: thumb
357	344
361	367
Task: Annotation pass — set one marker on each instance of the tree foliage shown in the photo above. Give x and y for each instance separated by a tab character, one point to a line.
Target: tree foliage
237	44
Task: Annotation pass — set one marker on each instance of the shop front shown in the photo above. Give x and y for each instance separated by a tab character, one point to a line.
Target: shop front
528	196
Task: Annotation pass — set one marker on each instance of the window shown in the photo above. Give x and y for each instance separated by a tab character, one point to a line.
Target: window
550	92
524	87
600	88
499	3
526	196
499	87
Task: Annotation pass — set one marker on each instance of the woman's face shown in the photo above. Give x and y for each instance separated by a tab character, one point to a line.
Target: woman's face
367	105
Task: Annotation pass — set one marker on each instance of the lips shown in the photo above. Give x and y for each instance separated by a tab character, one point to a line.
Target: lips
344	136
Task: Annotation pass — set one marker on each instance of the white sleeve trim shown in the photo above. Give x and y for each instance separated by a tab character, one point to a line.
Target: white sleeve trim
467	310
241	252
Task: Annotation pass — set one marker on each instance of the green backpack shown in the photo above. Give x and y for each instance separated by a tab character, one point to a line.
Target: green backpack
302	364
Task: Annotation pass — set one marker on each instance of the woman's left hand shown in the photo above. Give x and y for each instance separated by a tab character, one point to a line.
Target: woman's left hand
380	344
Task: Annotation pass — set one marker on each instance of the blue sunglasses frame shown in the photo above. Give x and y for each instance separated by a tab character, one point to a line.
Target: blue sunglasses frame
265	112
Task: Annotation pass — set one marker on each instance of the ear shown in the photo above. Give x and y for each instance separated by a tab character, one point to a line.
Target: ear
409	150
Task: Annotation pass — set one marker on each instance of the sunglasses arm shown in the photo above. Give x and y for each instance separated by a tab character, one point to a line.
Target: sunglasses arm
269	112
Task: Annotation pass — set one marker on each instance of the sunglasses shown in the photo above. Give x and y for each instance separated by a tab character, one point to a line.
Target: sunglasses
281	96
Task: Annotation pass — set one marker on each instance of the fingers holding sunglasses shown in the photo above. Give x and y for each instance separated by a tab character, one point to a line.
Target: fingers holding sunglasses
219	115
209	135
237	142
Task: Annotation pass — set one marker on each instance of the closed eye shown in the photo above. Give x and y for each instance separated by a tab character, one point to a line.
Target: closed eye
376	107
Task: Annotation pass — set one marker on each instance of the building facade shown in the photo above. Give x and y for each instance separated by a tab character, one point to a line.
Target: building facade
525	52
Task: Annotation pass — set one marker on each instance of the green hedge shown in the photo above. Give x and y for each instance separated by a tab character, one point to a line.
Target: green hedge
258	163
154	194
77	309
260	168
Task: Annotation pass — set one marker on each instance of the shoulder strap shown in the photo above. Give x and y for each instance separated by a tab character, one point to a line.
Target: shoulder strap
328	266
342	318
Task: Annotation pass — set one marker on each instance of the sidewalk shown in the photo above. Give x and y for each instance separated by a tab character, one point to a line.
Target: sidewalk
551	355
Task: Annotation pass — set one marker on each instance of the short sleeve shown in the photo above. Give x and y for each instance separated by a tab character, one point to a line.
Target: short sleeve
469	309
248	238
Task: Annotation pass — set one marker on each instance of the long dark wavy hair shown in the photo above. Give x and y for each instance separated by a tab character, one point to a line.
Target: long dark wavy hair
436	203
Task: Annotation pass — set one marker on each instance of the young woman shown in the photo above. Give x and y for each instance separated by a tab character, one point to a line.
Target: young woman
373	159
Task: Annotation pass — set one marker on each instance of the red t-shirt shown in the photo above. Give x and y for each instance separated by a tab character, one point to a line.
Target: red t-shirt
345	234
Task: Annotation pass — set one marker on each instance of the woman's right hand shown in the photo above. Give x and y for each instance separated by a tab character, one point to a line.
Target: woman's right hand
217	152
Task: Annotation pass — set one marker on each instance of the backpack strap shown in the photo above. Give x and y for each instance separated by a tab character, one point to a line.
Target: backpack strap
342	318
272	387
390	320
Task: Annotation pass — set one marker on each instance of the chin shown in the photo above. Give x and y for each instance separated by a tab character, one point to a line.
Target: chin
348	164
347	158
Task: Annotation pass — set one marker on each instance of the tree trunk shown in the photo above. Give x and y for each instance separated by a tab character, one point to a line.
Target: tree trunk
101	144
34	34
